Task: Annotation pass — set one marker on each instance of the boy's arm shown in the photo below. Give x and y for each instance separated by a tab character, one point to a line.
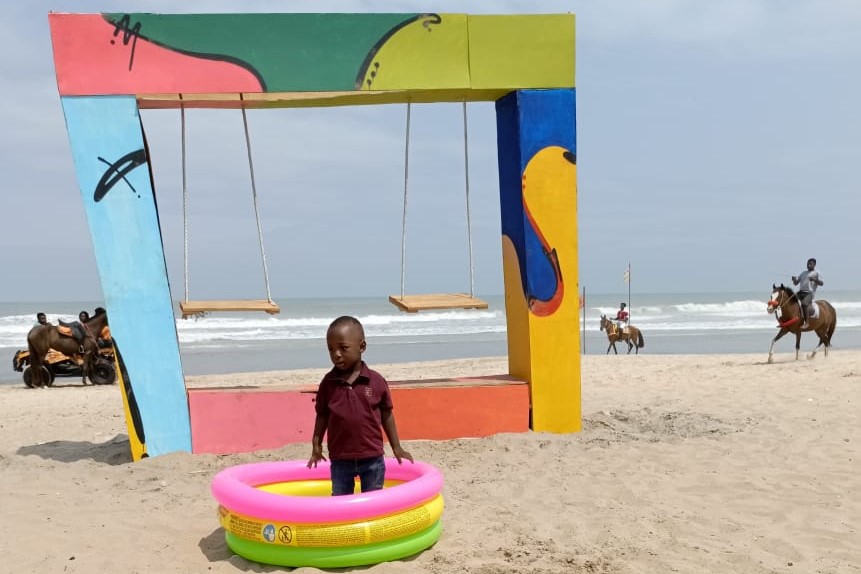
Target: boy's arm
391	429
320	424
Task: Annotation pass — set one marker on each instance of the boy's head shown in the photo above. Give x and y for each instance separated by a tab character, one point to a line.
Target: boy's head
41	318
83	316
346	341
811	263
622	305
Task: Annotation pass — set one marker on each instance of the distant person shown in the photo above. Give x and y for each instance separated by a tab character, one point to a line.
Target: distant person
621	317
41	319
83	316
352	403
807	283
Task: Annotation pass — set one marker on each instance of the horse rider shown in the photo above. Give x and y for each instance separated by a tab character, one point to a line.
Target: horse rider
621	317
807	282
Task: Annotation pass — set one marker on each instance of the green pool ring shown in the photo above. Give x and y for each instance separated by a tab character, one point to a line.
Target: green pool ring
346	556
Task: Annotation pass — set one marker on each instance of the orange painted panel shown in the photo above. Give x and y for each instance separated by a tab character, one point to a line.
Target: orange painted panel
441	413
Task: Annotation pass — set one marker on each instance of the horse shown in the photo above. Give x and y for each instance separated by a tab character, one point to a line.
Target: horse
786	307
633	337
44	337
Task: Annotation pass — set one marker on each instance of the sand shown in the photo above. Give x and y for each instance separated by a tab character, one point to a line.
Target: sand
685	464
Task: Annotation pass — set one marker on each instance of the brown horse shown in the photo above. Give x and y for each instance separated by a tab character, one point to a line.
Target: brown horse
44	337
631	335
785	305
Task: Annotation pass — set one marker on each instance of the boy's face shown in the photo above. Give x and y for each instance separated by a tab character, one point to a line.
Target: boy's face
41	318
346	344
811	265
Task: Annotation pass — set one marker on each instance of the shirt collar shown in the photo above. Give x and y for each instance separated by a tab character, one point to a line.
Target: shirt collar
335	377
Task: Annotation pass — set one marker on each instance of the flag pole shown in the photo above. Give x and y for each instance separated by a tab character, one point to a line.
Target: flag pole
628	281
583	308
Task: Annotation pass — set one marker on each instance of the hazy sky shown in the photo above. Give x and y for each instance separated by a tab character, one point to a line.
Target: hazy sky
718	149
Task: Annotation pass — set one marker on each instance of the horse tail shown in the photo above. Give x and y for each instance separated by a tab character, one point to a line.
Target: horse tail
833	326
640	342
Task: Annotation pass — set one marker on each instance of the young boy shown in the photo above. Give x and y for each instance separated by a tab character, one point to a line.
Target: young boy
352	403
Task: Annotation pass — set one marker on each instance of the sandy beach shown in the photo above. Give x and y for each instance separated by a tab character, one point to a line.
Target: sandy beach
696	463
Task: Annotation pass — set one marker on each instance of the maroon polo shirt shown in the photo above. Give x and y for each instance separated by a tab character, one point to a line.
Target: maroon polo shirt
353	413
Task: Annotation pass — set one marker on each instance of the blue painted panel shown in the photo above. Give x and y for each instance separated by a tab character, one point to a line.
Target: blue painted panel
113	173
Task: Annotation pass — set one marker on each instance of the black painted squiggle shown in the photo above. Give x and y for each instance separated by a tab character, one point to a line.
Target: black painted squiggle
117	171
130	33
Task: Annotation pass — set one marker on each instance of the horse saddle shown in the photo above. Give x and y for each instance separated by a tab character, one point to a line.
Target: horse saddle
74	330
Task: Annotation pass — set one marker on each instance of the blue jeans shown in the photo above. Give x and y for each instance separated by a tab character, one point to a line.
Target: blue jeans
371	473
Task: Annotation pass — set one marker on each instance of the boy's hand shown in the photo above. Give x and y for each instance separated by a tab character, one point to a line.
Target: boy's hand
316	456
400	454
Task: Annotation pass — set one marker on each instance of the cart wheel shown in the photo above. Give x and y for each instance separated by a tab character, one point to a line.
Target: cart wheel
103	373
47	376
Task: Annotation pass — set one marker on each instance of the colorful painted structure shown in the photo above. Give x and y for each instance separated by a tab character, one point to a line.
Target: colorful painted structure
109	66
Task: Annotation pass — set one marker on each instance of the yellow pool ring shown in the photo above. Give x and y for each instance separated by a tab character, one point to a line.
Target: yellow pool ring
380	529
321	487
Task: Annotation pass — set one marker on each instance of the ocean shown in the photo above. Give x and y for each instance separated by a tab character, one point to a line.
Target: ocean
678	323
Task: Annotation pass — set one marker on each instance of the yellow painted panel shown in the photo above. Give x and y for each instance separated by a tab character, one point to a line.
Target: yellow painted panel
516	314
422	55
525	51
549	190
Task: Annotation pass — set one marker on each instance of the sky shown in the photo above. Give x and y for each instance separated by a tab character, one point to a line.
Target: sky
718	147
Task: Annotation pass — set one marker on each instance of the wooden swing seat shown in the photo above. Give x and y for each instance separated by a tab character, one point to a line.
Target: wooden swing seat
416	303
191	308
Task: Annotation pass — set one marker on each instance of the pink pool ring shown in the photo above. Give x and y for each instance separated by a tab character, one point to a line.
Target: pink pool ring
236	488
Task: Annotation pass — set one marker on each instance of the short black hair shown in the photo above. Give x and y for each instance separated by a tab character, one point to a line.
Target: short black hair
813	259
40	314
623	304
347	320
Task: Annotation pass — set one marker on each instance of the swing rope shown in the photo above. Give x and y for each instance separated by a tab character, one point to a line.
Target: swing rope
184	199
404	220
468	217
254	200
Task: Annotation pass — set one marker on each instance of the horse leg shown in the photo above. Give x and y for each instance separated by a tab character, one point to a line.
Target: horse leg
822	341
797	344
773	341
86	367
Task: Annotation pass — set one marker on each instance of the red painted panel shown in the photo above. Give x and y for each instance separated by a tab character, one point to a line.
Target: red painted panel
91	60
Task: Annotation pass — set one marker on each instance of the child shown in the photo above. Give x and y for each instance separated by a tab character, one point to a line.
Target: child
352	403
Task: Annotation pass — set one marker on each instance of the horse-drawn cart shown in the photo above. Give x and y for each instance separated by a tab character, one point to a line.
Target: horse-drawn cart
57	364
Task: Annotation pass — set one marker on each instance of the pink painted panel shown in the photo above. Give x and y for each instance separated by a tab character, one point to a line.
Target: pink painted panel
227	421
91	60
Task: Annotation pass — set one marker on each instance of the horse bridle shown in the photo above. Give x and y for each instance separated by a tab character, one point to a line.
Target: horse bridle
774	305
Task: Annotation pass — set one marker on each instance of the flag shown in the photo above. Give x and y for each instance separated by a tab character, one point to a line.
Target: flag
627	275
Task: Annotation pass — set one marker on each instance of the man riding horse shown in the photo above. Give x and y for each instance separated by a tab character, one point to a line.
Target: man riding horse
807	283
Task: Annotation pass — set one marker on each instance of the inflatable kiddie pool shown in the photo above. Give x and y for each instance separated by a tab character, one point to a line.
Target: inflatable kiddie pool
282	513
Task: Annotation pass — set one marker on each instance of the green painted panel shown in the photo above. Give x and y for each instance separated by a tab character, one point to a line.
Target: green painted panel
288	52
